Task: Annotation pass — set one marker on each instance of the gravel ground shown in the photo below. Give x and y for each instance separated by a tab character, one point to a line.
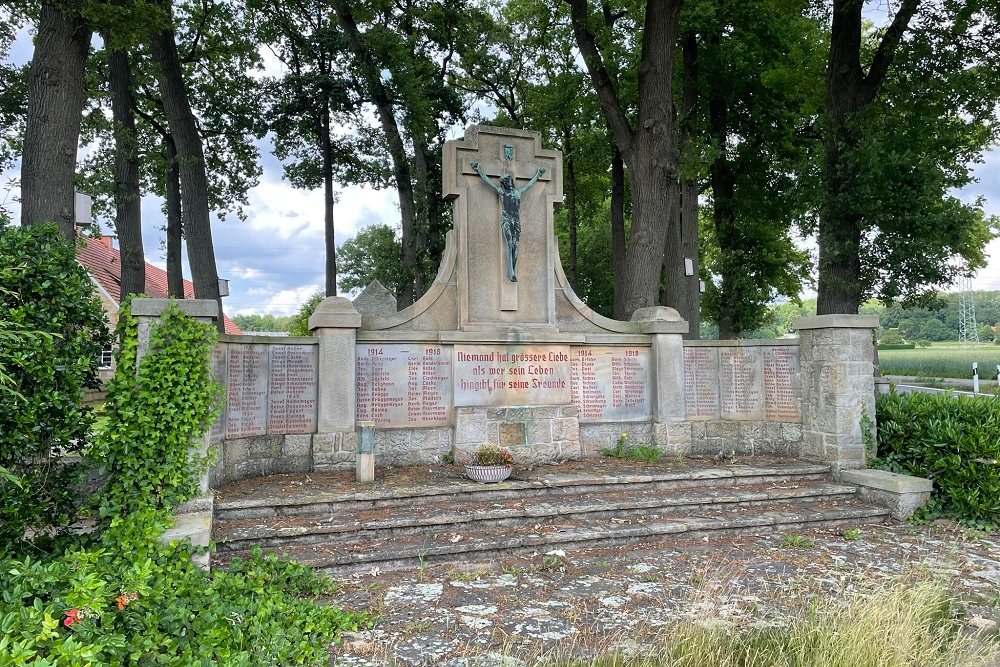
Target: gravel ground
581	602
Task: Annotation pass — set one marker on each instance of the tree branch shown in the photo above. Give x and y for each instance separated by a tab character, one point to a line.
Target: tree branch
193	52
887	49
621	129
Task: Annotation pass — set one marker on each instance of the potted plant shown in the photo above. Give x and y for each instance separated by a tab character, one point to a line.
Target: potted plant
489	464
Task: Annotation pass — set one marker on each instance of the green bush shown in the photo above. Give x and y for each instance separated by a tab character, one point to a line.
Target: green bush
896	346
128	600
299	325
953	440
153	415
48	299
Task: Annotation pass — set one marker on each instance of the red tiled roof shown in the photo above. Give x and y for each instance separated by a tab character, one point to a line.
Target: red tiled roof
103	261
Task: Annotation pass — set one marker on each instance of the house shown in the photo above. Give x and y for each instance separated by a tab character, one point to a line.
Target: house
102	260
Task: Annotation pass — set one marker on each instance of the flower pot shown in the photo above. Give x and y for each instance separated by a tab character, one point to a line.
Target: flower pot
487	474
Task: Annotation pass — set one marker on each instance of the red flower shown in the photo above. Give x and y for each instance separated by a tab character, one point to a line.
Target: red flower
72	616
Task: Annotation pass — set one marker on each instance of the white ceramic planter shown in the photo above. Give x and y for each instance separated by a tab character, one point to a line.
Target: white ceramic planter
487	474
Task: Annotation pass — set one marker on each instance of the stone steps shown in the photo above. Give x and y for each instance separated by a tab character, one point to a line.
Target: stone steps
284	502
641	504
444	544
432	515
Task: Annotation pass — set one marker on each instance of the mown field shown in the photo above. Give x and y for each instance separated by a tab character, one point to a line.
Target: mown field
943	360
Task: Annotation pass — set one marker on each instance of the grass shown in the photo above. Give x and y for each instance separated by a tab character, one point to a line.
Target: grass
942	361
623	450
902	626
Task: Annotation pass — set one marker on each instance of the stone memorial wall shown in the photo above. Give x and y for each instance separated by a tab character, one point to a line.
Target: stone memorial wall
270	389
744	397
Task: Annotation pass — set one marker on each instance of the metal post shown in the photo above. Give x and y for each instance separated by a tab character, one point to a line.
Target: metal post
975	377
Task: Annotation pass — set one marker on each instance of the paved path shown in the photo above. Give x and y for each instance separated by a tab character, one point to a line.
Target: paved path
581	602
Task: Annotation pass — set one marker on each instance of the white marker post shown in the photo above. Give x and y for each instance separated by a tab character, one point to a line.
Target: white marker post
975	377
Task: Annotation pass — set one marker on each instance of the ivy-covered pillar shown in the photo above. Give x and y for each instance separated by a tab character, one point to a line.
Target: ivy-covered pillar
147	312
838	388
335	322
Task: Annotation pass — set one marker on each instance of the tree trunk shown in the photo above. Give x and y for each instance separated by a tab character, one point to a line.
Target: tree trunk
690	190
675	282
191	159
848	90
649	150
394	144
618	231
54	112
571	220
421	209
128	210
175	236
329	232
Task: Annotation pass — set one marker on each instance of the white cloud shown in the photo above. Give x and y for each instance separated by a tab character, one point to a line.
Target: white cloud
285	302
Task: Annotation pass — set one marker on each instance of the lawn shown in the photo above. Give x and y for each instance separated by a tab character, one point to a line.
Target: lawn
943	360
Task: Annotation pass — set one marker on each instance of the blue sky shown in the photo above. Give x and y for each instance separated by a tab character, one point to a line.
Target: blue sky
274	260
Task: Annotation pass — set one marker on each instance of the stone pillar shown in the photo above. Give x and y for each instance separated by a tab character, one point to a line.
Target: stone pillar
335	322
666	327
838	388
147	312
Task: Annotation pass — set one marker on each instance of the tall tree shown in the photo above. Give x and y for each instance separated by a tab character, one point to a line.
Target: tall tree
191	164
55	108
648	144
900	126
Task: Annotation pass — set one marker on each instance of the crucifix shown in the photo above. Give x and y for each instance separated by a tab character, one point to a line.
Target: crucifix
510	218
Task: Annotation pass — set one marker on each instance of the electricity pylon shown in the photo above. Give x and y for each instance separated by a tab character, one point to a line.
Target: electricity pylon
968	330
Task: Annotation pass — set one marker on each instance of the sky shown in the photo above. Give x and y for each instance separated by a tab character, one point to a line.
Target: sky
274	260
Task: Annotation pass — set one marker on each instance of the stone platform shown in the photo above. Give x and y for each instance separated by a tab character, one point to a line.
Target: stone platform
412	516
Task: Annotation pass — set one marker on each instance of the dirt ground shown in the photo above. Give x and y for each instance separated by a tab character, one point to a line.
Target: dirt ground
517	611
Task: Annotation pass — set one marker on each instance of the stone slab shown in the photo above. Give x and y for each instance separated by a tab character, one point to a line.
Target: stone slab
836	322
247	381
741	391
292	388
191	307
497	375
701	383
887	481
611	383
404	384
782	387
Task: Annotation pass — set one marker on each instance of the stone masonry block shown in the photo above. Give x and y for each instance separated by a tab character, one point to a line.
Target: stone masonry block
324	443
901	494
470	428
565	429
297	445
538	431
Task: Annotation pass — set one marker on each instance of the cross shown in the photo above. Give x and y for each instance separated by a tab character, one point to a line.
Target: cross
518	170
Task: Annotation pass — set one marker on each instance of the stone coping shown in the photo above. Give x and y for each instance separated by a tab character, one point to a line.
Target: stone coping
463	337
550	478
744	342
836	322
190	307
254	339
887	481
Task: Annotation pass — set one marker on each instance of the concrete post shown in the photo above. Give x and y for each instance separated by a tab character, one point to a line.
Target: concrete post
667	329
838	388
335	322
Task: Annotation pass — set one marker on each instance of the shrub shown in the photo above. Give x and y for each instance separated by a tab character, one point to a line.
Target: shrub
49	302
491	455
623	450
299	324
127	599
953	440
155	413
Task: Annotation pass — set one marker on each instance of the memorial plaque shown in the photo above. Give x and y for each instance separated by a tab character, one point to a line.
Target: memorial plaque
247	390
782	392
611	383
701	383
404	385
292	389
219	375
498	375
741	392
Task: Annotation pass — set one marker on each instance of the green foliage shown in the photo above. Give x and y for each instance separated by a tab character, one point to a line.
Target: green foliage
940	361
623	450
954	441
491	455
896	346
793	541
127	599
44	375
266	322
299	325
155	412
372	254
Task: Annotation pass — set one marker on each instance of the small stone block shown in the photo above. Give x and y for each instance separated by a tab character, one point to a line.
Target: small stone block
511	435
901	494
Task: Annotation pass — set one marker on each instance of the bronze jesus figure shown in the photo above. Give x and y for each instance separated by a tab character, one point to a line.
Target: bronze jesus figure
510	212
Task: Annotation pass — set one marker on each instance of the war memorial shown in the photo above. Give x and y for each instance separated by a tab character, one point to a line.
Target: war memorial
501	351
